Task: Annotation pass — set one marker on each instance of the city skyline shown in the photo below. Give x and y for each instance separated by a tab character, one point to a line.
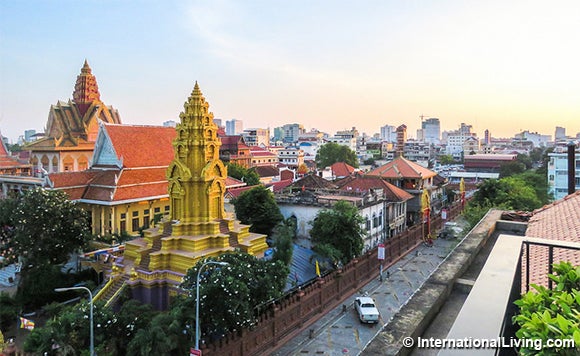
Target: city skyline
501	66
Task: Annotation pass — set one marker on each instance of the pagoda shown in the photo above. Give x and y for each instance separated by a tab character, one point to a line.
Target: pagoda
72	127
154	265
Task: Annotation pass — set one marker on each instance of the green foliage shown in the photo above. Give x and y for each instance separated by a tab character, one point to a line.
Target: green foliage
8	311
229	294
37	286
48	227
258	208
551	314
341	228
331	152
511	193
511	168
369	161
163	336
446	159
71	330
473	214
68	326
283	241
247	175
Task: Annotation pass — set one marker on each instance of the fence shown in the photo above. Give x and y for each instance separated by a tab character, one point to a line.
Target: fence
286	317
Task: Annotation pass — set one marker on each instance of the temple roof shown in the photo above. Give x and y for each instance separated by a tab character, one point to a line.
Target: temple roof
366	183
74	123
401	168
86	89
136	145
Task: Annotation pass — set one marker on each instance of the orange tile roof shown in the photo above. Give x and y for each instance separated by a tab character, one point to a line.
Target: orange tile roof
400	168
279	186
341	169
142	146
557	221
365	183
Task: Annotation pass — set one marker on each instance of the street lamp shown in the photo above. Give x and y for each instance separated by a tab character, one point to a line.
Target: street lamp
92	338
197	297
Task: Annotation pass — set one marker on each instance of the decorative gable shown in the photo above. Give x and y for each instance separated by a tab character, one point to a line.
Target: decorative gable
104	154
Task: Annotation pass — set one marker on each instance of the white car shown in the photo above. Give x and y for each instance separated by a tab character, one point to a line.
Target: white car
366	309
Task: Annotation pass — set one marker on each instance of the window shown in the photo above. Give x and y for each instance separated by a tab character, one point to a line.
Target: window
146	212
123	216
375	221
166	207
135	213
368	224
123	226
146	221
157	210
135	224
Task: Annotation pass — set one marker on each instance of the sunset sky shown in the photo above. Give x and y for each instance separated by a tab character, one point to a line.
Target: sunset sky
500	65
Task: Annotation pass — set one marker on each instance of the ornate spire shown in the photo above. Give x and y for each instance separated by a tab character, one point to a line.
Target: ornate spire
196	175
86	89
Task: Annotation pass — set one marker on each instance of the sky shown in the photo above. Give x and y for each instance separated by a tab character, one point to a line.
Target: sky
332	65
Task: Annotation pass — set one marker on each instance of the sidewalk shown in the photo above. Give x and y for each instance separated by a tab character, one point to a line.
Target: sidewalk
341	333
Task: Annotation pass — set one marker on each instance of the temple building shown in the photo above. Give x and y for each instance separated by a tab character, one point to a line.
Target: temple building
198	226
72	129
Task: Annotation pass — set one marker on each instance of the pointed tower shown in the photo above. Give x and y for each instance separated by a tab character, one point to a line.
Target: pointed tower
154	265
86	89
196	175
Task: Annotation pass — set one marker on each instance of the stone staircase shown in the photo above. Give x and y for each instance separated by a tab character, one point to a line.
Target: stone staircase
144	264
110	294
224	229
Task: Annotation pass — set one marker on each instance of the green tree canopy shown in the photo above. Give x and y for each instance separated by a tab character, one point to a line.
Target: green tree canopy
507	193
258	208
446	159
229	295
249	176
331	152
48	227
338	232
283	241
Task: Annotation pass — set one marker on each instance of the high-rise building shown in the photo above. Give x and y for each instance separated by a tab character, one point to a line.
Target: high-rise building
234	127
257	137
401	140
560	134
558	171
431	130
291	132
487	137
388	133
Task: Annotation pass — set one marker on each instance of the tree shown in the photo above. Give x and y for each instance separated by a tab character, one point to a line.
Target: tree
511	168
258	208
229	295
340	229
249	176
506	193
331	152
283	241
48	227
446	159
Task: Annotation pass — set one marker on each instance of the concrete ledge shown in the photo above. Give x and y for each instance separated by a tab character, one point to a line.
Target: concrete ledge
417	314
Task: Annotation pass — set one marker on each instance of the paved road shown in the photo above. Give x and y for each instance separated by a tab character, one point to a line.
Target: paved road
340	333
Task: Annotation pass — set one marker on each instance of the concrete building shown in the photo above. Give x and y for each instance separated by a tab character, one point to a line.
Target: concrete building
291	132
558	171
234	127
560	134
455	139
291	156
257	137
431	130
389	133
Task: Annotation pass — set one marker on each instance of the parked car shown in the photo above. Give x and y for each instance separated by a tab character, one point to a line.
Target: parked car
366	309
